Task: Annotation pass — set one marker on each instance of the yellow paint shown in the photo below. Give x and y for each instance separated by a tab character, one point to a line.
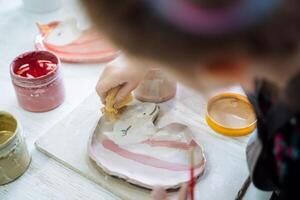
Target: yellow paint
230	114
8	126
5	135
14	157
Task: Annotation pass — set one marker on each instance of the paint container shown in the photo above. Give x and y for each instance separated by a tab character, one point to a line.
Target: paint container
230	114
14	156
42	6
156	87
37	81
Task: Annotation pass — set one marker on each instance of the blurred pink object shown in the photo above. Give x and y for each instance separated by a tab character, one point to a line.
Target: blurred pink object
156	87
72	44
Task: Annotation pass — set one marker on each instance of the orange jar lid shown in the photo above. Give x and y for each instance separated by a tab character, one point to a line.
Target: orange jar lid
230	114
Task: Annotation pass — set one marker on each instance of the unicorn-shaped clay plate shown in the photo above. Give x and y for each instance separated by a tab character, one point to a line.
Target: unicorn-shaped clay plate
134	149
72	44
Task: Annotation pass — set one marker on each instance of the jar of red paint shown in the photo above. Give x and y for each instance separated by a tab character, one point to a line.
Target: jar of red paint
37	81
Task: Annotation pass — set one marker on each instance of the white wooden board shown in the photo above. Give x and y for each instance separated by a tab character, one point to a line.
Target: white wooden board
226	167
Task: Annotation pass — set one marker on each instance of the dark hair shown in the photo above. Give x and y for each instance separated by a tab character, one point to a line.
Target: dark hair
131	25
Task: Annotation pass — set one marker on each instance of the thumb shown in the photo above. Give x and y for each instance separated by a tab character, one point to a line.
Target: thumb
103	86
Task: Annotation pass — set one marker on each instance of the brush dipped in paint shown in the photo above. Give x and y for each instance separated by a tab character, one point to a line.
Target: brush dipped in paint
192	179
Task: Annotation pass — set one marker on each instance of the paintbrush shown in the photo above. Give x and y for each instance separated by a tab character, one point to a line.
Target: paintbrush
192	179
244	189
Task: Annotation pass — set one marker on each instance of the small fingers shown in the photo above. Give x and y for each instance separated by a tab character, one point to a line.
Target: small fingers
183	192
159	193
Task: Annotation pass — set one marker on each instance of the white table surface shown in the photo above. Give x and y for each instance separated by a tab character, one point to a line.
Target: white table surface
45	178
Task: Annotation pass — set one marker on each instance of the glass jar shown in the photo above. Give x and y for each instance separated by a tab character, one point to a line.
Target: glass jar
37	81
156	87
14	156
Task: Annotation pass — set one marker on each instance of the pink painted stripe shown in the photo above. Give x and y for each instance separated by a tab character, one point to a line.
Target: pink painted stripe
96	43
170	144
146	160
56	49
79	43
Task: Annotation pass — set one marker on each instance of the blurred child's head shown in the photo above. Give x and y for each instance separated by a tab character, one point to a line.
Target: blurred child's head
214	42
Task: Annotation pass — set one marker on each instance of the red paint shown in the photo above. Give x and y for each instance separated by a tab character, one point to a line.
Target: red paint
37	81
192	182
35	68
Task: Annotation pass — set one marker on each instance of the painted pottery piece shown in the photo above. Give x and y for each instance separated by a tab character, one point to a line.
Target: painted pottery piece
72	44
134	149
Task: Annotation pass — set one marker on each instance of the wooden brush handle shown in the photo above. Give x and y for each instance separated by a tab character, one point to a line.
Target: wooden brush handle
243	189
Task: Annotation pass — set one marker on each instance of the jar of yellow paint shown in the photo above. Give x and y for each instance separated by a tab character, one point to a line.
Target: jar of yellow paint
14	156
230	114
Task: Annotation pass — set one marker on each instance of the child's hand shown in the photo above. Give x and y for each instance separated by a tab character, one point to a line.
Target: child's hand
160	194
122	72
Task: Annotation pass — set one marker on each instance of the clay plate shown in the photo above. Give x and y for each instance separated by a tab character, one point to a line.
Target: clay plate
134	149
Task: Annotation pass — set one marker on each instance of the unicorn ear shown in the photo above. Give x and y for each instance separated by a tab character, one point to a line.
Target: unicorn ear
44	29
196	19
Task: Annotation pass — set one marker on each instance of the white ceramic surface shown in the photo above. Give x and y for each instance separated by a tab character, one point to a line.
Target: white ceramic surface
134	149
